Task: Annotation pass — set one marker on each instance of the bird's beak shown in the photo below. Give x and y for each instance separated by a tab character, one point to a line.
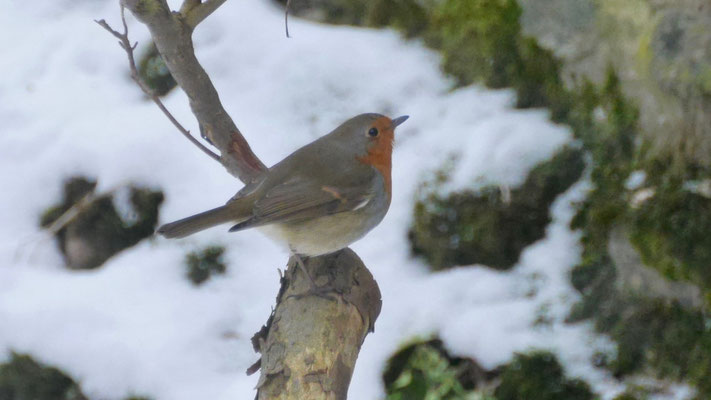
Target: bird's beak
399	120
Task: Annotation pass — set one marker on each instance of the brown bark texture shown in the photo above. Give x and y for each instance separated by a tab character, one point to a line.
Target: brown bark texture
311	341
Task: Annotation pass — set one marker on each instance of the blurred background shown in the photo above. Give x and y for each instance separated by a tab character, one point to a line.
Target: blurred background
549	231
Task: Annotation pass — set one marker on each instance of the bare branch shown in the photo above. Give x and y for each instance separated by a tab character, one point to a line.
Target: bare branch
80	206
125	44
172	36
195	12
73	211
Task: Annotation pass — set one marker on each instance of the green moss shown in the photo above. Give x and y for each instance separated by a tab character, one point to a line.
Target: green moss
153	71
22	378
481	41
606	124
75	189
537	80
539	376
424	370
594	277
671	232
98	226
480	227
477	39
669	339
626	396
203	264
407	16
653	336
704	80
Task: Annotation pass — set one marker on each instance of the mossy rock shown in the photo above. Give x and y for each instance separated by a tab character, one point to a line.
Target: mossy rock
477	39
671	232
201	265
605	122
595	279
98	231
480	227
22	378
653	336
539	376
408	16
481	42
425	370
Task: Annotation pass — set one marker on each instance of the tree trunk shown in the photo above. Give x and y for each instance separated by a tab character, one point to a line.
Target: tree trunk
311	342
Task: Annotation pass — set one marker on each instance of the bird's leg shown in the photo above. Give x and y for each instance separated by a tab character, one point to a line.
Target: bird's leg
302	266
315	289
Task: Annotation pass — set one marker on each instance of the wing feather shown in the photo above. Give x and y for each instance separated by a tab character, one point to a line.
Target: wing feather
302	198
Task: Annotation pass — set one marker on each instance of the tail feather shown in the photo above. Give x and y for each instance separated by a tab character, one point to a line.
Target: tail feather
196	223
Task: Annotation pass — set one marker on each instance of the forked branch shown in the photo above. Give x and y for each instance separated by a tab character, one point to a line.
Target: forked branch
126	45
172	35
195	11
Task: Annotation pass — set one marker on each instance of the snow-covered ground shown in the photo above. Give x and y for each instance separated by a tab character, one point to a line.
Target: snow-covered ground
136	325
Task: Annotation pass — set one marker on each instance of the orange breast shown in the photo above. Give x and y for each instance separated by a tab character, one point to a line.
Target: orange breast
380	151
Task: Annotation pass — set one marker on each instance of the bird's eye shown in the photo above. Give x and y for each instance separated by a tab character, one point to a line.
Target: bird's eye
373	132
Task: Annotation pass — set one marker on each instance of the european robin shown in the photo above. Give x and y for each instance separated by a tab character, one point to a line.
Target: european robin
319	199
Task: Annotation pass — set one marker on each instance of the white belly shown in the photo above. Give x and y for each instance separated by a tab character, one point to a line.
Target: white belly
322	235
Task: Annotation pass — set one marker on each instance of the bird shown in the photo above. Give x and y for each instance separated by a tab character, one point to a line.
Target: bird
320	198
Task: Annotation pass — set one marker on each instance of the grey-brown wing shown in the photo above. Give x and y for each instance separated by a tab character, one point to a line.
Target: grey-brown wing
301	198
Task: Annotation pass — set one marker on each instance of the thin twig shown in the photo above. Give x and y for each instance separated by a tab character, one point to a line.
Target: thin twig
286	17
125	44
61	222
71	213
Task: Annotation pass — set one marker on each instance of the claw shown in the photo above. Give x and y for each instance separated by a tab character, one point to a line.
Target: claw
314	290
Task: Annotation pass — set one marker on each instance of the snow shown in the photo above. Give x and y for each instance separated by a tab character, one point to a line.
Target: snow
136	325
635	180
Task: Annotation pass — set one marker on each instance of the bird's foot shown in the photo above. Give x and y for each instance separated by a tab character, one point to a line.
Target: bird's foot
314	290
